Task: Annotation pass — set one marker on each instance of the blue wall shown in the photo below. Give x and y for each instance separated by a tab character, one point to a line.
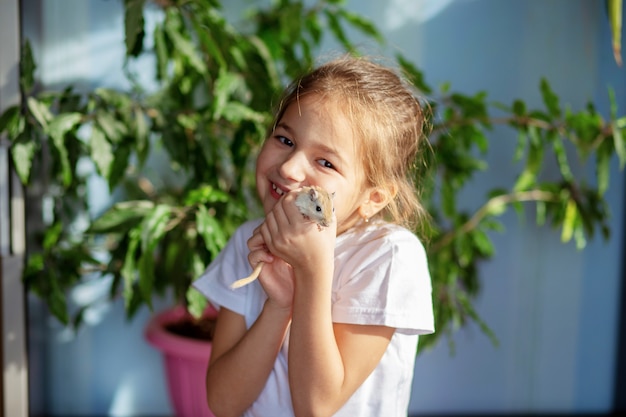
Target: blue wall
553	308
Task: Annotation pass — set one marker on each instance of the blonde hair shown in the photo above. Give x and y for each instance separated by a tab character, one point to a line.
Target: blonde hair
387	118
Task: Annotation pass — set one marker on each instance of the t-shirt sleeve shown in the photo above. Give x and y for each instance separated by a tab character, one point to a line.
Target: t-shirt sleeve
230	265
388	284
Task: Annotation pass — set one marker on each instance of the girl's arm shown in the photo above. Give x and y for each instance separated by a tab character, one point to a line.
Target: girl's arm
327	362
241	360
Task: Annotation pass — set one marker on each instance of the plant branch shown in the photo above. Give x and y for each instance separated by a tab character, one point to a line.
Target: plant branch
489	207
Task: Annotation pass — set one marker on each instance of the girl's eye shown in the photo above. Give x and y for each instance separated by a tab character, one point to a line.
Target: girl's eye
325	163
284	140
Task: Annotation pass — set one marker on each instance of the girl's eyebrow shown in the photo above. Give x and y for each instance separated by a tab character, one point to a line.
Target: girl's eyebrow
286	127
322	147
333	152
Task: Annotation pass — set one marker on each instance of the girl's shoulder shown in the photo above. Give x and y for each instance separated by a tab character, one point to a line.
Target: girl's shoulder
380	233
381	239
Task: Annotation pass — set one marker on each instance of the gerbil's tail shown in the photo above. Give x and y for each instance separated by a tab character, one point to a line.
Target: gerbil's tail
247	280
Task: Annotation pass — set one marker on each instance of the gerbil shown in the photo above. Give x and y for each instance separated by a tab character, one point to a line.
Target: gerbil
314	203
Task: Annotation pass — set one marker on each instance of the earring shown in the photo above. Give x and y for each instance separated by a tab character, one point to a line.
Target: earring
363	212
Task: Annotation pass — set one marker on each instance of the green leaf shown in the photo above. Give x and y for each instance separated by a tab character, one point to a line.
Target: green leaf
119	100
129	271
52	235
520	147
620	122
620	149
188	121
615	20
268	61
196	302
603	168
22	152
186	49
58	127
337	30
569	221
162	57
541	213
483	243
134	26
40	112
550	99
207	38
519	108
362	24
210	230
414	74
579	238
27	68
154	227
612	103
314	27
112	128
534	161
290	22
205	194
145	268
101	152
142	133
12	122
496	208
121	163
448	199
226	84
56	301
122	216
237	112
468	308
561	157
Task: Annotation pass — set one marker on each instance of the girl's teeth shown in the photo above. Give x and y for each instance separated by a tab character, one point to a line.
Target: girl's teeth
278	190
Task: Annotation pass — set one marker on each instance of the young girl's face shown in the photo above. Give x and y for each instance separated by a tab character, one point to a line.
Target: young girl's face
313	144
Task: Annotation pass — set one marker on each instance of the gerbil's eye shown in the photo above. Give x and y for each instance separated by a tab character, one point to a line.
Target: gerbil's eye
284	140
318	208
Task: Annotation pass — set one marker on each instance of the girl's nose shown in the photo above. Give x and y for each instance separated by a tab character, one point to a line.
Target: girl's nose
294	167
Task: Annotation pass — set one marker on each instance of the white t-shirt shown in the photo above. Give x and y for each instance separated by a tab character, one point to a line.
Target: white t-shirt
381	278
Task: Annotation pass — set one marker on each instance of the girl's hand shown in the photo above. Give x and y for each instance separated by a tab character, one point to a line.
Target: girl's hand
276	277
299	241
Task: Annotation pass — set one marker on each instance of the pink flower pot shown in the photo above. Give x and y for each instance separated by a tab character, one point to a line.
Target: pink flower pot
185	361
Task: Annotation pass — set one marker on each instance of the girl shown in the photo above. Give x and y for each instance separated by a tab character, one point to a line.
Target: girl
331	325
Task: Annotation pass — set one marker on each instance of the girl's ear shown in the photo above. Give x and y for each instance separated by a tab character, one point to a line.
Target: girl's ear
377	200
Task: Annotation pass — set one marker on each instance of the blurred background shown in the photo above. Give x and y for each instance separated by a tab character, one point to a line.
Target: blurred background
554	309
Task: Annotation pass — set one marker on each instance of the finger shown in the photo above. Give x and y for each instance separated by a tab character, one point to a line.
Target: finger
290	209
256	240
280	214
257	256
266	233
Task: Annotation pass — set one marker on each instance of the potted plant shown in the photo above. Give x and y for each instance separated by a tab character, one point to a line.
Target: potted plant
209	114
